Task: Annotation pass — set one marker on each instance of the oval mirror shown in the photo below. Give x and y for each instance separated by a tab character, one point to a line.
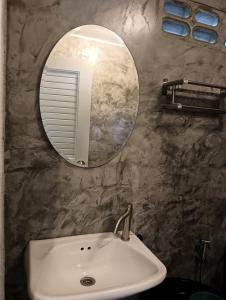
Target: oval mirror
89	95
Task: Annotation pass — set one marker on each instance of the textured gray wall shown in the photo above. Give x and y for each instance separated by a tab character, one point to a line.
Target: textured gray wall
173	168
3	13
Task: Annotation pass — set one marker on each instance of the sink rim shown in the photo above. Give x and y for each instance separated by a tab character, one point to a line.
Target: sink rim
103	293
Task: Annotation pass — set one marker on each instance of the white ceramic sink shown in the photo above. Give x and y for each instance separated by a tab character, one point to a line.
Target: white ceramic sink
56	266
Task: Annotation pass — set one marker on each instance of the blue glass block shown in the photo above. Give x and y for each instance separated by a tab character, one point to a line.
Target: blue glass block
207	18
204	35
224	43
177	9
175	27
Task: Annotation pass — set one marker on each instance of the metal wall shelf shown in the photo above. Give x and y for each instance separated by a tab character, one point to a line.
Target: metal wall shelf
171	88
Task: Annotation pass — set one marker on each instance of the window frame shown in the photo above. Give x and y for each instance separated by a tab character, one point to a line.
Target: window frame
179	3
205	29
200	9
178	22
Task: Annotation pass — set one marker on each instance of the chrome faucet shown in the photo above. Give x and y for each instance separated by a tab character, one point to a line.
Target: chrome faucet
126	218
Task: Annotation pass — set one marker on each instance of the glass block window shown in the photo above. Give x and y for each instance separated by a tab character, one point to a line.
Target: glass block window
204	35
207	18
177	9
175	27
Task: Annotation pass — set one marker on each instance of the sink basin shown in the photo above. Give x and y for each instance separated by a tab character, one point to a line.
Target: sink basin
90	267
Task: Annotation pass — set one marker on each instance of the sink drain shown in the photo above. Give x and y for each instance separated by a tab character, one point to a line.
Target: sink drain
87	281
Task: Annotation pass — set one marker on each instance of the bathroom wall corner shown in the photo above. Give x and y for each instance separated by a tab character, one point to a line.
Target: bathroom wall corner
3	16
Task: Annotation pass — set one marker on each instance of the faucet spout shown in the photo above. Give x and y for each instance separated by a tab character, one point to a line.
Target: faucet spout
126	219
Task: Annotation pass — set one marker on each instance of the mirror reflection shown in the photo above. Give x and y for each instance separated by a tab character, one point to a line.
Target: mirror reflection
89	95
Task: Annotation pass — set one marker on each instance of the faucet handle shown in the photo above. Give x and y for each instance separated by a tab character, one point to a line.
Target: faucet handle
130	207
205	242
